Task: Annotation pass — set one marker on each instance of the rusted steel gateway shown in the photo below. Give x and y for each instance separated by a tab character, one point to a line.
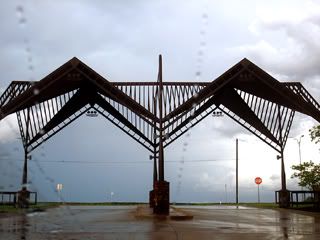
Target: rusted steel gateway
156	113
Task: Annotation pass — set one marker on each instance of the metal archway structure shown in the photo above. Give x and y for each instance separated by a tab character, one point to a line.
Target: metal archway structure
155	114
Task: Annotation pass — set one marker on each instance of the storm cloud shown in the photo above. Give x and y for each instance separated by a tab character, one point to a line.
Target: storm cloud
121	40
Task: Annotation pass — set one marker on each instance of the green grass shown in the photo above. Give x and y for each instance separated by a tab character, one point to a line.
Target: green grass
42	206
33	208
104	203
7	209
258	205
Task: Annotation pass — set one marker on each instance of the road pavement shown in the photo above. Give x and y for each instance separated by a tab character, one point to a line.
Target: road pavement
126	222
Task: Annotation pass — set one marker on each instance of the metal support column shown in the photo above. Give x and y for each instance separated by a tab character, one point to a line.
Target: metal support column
160	93
237	176
161	187
152	193
25	170
284	194
24	194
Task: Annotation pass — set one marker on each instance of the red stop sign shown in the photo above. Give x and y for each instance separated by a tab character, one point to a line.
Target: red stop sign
258	180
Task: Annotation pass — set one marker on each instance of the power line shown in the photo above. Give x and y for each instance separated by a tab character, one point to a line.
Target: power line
121	162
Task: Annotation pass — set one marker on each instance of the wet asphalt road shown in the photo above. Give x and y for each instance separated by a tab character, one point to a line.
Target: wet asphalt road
121	222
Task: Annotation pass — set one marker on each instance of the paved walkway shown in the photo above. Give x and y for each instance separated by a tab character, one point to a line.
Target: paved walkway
130	222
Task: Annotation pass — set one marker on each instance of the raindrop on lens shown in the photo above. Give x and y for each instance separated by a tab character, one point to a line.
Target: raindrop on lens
19	9
36	91
22	20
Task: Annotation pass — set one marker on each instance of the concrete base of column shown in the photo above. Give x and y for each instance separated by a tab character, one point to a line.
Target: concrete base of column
284	198
23	198
161	198
151	199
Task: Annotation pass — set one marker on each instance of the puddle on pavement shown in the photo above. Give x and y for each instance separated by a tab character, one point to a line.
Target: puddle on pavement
76	222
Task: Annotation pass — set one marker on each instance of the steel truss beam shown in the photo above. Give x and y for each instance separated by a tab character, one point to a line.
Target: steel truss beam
245	93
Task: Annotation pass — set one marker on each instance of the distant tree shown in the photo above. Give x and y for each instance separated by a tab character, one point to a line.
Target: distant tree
308	174
315	134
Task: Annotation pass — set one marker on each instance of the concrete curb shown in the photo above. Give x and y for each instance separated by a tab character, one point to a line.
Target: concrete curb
144	211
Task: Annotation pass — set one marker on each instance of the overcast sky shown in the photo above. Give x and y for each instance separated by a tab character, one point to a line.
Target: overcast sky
121	40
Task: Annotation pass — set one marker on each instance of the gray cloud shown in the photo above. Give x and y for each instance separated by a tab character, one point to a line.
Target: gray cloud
121	41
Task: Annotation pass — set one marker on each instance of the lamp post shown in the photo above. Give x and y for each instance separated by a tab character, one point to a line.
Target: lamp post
59	189
299	144
111	195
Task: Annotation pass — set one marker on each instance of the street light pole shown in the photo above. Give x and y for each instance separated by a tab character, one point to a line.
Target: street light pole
299	144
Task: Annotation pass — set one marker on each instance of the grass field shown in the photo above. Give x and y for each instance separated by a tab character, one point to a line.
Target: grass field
45	205
39	207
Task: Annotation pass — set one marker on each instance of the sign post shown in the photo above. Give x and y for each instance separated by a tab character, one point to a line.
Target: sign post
258	181
59	189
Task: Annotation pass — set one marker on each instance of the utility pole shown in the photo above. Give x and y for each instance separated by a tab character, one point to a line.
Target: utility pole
225	190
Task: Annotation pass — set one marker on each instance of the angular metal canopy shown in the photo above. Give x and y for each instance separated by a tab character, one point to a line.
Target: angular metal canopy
245	93
155	114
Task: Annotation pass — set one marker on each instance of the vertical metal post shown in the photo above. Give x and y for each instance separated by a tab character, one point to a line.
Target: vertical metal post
161	190
237	168
161	157
258	193
155	170
24	194
25	165
284	194
283	173
25	171
225	190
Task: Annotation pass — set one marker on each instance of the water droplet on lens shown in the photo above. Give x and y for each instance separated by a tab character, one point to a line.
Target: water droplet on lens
22	21
36	91
204	15
19	9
